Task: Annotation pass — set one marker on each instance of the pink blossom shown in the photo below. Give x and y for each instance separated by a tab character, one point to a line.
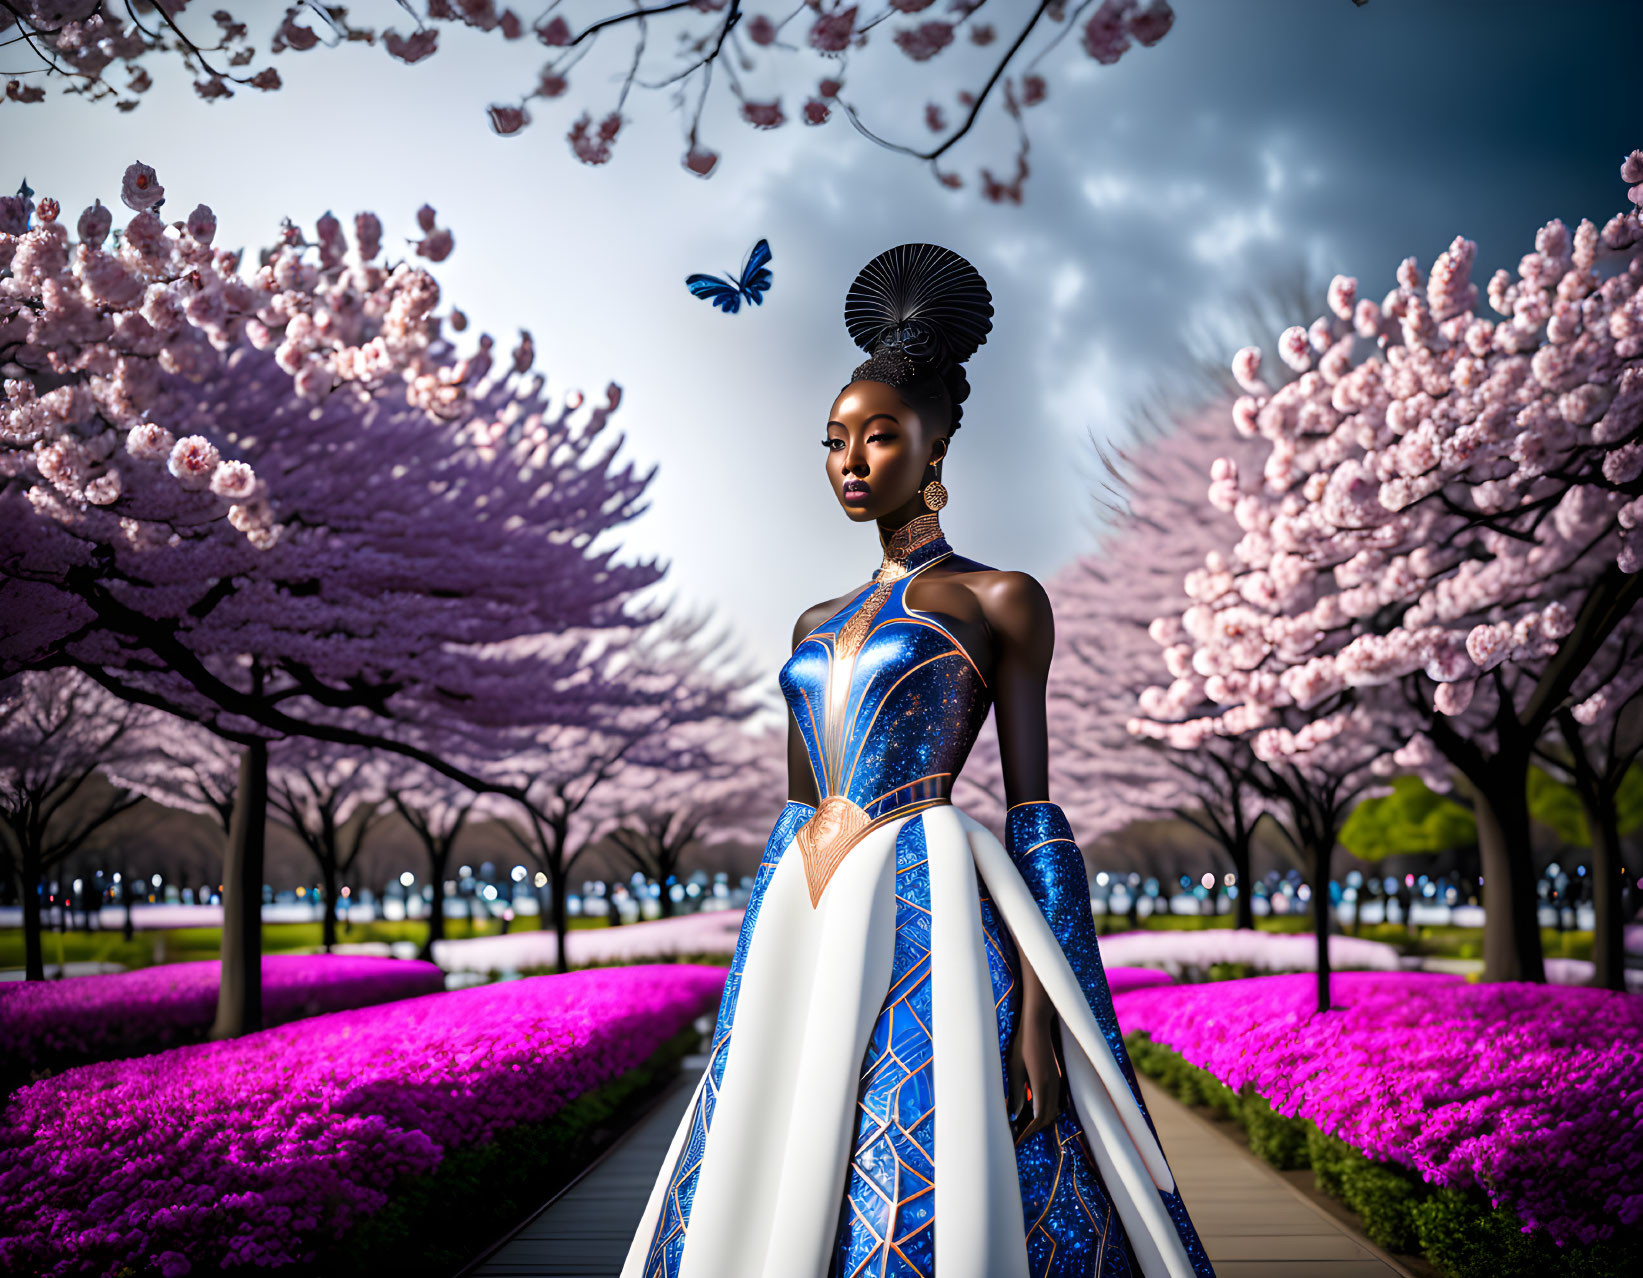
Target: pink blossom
924	41
508	120
1295	348
591	145
140	188
233	480
832	32
193	460
763	115
149	442
94	225
413	48
1107	34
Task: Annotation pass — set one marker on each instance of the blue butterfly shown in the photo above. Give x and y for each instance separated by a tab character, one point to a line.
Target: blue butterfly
755	279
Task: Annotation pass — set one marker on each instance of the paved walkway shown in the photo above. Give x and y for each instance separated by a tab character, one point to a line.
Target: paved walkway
1253	1222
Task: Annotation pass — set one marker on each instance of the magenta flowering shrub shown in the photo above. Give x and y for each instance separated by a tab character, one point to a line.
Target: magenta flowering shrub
1123	979
1531	1093
90	1018
252	1151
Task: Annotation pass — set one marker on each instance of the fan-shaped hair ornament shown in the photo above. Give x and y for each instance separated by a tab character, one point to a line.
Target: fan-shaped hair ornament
923	299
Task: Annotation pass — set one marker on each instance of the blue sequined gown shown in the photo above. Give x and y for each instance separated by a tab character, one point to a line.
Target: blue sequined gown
852	1119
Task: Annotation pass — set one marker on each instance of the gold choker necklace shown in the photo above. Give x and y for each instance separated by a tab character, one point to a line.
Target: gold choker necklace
904	541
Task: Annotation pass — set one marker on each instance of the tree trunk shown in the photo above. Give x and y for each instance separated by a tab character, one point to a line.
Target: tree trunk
128	929
1244	904
328	920
28	887
664	902
436	912
1511	933
239	998
561	923
613	916
1321	854
1608	923
544	904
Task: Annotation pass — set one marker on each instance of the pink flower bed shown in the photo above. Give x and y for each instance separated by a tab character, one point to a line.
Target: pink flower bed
1531	1093
97	1017
252	1150
1122	979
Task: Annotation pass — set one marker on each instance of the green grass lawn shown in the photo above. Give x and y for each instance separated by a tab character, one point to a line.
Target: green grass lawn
180	945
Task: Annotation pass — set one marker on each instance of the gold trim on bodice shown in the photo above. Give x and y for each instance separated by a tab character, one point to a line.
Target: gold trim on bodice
903	542
838	824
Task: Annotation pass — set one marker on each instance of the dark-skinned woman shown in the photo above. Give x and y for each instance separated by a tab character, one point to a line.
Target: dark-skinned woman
916	1070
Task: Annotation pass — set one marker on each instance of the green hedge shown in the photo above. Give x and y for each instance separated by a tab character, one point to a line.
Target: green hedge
1458	1231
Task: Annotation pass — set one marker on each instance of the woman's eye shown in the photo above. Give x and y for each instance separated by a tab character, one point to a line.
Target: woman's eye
831	444
880	439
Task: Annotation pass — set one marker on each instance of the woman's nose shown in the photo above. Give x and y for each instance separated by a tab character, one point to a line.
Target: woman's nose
855	458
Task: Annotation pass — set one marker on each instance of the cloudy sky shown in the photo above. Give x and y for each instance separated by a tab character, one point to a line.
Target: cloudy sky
1256	141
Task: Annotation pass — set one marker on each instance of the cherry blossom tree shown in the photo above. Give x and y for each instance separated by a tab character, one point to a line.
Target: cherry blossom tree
715	781
437	809
212	505
767	64
1445	530
181	765
331	798
1157	530
1598	741
658	683
57	729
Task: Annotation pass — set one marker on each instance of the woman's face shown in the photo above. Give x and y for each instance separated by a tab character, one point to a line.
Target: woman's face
878	453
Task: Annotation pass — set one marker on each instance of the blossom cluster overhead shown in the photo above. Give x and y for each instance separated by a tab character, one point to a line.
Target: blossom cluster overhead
259	1150
808	51
92	329
1469	477
1529	1093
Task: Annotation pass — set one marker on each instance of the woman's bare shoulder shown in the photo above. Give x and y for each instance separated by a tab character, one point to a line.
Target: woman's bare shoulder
1010	600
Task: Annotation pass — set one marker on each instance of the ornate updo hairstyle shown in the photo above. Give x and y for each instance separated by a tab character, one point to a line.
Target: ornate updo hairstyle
919	311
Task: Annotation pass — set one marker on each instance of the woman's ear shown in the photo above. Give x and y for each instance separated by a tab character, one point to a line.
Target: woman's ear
939	451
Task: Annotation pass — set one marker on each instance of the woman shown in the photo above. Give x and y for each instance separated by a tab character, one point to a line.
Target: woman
904	987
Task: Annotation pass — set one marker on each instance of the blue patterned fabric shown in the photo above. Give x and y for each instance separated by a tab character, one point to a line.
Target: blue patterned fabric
887	1225
1040	842
668	1243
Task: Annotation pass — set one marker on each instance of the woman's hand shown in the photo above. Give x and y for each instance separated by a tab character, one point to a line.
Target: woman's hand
1031	1061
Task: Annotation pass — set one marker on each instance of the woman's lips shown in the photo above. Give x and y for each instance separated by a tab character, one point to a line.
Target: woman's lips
856	492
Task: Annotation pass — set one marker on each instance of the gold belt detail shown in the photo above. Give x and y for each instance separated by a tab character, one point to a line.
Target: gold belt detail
833	829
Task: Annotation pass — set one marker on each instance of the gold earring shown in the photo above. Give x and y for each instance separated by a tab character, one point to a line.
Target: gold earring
934	494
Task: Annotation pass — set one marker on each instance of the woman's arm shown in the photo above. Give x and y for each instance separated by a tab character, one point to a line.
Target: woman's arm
1023	627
